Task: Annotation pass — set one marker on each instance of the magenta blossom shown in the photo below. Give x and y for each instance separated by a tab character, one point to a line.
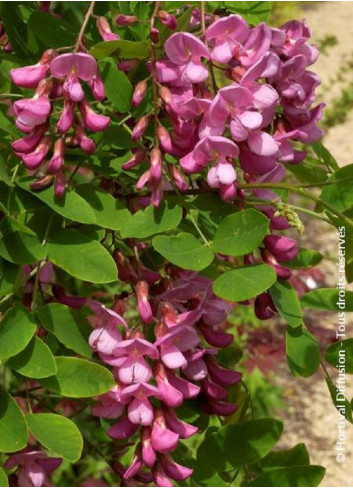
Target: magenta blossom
34	466
133	366
185	51
226	36
140	410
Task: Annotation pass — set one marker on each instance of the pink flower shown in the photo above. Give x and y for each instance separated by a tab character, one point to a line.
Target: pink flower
30	76
110	405
34	466
94	122
227	34
163	439
67	117
73	66
33	160
283	248
185	50
133	366
124	428
29	143
140	410
173	470
257	44
175	341
208	149
31	112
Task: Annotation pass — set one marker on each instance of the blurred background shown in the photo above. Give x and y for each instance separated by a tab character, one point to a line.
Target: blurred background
308	414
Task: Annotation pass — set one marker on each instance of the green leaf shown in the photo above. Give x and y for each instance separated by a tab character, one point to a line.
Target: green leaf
35	361
10	275
110	213
339	400
56	433
113	78
243	283
324	155
338	191
340	355
235	445
299	476
13	428
15	27
81	257
70	327
152	221
122	49
19	244
71	206
303	352
327	299
287	303
297	455
305	259
240	233
184	250
79	378
3	478
253	12
16	331
52	31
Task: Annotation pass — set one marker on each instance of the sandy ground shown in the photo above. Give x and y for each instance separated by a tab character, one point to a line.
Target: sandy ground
311	417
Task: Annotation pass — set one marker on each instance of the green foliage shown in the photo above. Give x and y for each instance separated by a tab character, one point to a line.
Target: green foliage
3	479
13	428
184	250
150	221
56	433
340	355
55	318
287	303
327	300
243	283
16	331
303	351
338	192
240	233
298	476
82	257
79	378
35	361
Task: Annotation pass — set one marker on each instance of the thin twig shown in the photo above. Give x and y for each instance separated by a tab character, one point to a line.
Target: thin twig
79	40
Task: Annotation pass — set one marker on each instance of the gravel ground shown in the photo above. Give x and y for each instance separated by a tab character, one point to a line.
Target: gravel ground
311	417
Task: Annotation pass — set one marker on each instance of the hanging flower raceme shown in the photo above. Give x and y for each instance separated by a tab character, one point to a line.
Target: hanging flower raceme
57	77
154	378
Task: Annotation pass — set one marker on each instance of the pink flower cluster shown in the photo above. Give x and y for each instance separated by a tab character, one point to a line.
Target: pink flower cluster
154	377
55	78
253	121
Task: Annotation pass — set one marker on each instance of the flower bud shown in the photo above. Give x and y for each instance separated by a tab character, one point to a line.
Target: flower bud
126	20
139	93
165	95
164	139
128	64
139	128
167	19
57	160
59	184
97	88
154	35
33	160
135	160
105	30
283	248
86	144
67	117
42	182
144	305
155	165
